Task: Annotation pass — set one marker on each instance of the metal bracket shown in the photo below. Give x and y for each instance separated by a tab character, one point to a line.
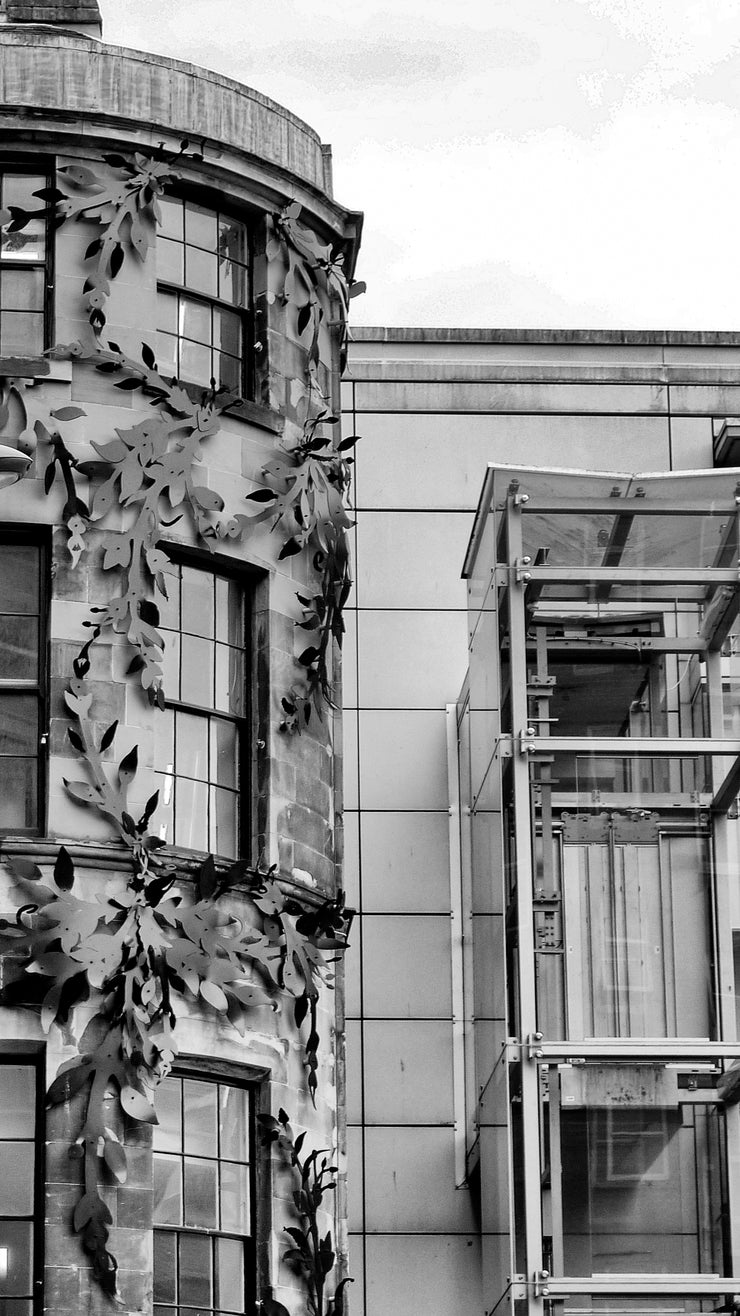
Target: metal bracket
542	1284
534	1049
518	1286
521	574
526	742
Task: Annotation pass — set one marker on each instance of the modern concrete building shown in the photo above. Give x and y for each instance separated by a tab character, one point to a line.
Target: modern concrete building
152	213
533	1063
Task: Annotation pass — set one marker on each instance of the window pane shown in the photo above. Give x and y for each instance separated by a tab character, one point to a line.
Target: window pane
195	363
22	290
17	1237
200	1118
21	332
200	226
229	680
224	807
164	739
165	1267
17	1101
170	266
19	647
191	813
19	732
192	745
230	1274
18	190
167	312
201	271
224	753
172	217
196	1279
167	1133
228	372
196	682
19	578
227	332
18	797
234	1123
197	601
167	1198
232	242
235	1198
16	1178
165	347
171	666
195	320
201	1205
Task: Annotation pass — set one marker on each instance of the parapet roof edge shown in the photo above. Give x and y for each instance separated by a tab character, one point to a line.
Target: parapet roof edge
595	337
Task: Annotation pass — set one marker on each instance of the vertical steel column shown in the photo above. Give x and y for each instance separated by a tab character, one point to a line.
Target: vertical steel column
524	894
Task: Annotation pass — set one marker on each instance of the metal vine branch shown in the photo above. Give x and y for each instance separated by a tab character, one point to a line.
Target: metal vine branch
159	937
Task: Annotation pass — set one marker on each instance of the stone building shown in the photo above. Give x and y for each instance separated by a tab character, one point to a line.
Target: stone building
173	279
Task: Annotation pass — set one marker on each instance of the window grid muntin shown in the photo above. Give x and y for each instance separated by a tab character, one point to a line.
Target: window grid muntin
22	765
39	264
216	1239
213	714
177	278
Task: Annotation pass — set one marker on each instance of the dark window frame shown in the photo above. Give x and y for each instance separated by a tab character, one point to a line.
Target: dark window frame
32	1055
256	1082
213	566
40	687
45	167
250	217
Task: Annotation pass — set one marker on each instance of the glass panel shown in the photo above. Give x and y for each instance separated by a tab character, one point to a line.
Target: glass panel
169	608
167	312
201	226
171	666
191	813
165	347
19	647
234	1123
230	689
196	685
629	782
167	1133
164	739
195	363
228	371
201	271
28	244
172	211
19	578
201	1200
224	806
21	332
19	732
230	1293
18	190
628	541
17	1237
170	261
196	1279
165	1267
192	745
224	753
16	1178
235	1197
22	290
197	602
201	1137
232	241
642	1184
18	793
227	332
167	1197
195	320
17	1101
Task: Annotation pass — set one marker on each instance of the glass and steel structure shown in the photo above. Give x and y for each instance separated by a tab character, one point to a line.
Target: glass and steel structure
600	762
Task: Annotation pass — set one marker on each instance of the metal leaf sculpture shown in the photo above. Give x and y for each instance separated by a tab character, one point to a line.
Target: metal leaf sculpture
126	210
132	952
311	1254
146	467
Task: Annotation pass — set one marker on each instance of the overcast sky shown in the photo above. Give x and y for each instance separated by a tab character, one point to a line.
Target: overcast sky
529	163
